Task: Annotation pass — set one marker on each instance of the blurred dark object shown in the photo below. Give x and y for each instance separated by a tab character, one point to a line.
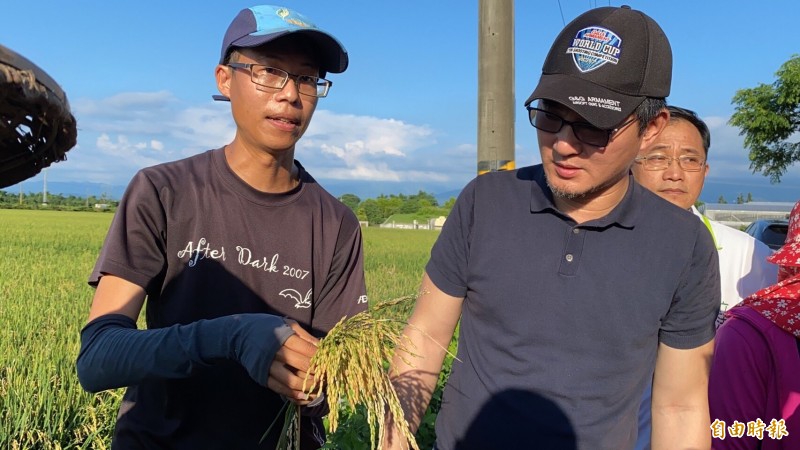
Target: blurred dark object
36	125
769	231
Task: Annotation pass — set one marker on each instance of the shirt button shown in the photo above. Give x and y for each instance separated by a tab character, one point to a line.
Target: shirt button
568	257
576	230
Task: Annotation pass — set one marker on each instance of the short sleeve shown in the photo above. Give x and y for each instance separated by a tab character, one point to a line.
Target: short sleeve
134	248
449	261
344	292
689	323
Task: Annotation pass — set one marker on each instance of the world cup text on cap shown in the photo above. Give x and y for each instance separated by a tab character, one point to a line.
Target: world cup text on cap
596	46
593	47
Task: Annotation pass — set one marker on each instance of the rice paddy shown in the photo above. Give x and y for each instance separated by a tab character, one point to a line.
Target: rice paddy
45	259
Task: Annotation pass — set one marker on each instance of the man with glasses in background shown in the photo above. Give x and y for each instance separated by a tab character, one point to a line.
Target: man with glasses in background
572	283
675	167
244	259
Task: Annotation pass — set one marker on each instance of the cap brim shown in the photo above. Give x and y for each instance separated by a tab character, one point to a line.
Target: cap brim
333	56
788	255
601	107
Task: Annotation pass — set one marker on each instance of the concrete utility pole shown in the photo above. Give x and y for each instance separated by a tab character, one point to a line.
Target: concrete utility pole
495	85
44	190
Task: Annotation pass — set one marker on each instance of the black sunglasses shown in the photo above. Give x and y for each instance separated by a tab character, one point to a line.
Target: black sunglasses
585	132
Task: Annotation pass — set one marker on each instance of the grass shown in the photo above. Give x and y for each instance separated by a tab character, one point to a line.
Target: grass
394	260
45	259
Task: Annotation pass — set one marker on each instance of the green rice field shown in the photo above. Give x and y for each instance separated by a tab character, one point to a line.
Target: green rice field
45	259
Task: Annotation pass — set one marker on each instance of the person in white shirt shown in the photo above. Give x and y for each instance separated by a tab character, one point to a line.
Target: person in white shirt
675	167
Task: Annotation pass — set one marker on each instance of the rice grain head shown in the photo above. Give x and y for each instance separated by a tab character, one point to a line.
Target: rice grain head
352	361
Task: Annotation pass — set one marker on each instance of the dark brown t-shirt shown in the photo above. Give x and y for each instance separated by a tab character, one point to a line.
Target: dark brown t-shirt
204	244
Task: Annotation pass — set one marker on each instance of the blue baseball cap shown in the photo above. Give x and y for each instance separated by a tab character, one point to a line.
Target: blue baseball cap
261	24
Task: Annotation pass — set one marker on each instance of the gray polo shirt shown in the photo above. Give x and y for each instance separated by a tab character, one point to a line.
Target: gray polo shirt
561	322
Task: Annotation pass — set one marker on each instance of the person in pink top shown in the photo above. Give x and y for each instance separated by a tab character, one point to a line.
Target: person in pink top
754	385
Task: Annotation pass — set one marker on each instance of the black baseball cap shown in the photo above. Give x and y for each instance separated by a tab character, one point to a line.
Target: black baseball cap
605	63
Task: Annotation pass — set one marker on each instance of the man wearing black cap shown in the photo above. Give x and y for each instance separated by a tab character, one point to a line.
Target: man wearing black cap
574	286
243	258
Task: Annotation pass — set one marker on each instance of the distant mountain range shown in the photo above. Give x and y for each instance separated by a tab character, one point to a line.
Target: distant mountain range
730	189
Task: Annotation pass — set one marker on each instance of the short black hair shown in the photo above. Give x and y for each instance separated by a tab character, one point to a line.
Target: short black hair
648	110
678	113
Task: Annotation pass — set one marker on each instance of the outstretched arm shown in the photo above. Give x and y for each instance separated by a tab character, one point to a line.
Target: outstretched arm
414	376
681	418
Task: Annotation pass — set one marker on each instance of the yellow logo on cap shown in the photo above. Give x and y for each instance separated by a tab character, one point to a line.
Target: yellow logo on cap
284	13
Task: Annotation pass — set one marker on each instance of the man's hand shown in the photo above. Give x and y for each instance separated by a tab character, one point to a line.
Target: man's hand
291	365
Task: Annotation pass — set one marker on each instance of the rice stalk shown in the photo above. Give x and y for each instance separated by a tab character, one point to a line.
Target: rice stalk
352	364
290	434
350	368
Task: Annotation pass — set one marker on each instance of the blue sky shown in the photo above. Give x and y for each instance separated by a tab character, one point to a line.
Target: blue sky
403	117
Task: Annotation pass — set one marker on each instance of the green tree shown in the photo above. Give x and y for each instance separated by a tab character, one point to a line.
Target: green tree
768	115
389	205
33	200
749	197
351	201
409	206
372	212
425	199
721	200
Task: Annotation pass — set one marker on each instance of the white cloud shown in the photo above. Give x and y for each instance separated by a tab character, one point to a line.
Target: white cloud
730	173
121	150
123	133
350	147
123	104
200	128
727	156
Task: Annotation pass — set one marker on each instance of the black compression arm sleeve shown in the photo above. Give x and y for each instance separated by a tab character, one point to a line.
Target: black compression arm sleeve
114	353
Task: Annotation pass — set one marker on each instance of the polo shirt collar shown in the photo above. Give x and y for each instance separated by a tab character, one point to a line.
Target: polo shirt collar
624	214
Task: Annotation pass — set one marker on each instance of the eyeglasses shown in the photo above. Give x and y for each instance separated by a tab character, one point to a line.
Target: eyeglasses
274	78
583	131
689	163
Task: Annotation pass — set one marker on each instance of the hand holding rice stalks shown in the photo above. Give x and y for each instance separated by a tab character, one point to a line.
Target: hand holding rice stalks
351	368
353	361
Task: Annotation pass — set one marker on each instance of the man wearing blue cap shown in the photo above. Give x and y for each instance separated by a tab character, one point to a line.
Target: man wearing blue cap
571	284
245	261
